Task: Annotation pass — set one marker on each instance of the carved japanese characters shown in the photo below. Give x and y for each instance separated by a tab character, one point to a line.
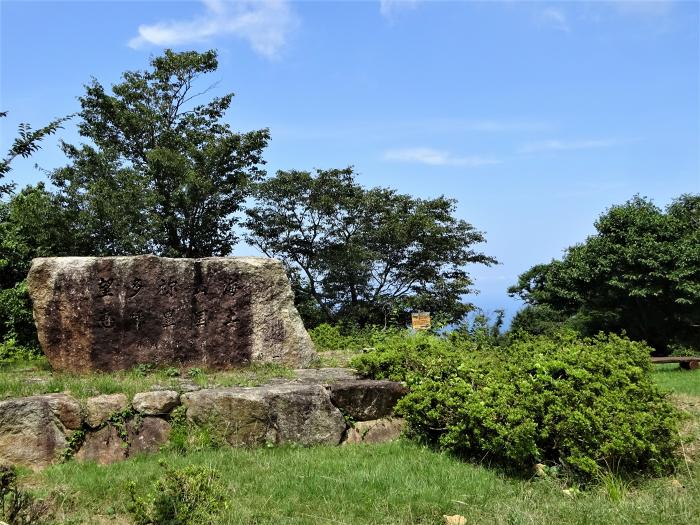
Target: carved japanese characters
112	313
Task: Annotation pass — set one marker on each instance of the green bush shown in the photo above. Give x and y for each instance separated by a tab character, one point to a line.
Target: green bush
410	356
351	338
188	496
17	325
584	403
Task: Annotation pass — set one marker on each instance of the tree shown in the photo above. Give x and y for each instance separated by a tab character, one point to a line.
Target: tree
639	273
27	227
26	143
32	224
364	255
161	174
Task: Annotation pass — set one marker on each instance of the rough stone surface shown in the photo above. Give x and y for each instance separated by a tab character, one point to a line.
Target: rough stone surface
112	313
66	409
103	446
320	376
365	399
240	415
304	414
377	431
156	402
279	414
148	435
33	430
100	408
30	435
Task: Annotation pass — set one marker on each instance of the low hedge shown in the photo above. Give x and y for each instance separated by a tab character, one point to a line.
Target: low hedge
582	404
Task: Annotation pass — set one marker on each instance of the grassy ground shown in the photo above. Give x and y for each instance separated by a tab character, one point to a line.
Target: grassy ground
28	378
674	378
398	483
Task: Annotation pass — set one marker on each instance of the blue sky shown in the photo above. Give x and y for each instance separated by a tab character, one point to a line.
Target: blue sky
535	116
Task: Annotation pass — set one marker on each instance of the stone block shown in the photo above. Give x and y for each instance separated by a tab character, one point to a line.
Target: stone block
30	434
365	399
156	402
377	431
111	313
100	408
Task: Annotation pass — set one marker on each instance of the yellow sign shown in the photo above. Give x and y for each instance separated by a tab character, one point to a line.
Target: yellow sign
420	320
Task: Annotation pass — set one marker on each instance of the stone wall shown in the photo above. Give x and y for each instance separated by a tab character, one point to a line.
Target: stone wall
111	313
319	407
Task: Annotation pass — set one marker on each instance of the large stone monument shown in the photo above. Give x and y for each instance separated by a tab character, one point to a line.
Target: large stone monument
111	313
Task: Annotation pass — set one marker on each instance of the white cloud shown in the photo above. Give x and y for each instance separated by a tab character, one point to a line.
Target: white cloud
555	18
388	8
567	145
265	24
433	157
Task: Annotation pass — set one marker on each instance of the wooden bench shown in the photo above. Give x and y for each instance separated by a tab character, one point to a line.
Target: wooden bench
689	363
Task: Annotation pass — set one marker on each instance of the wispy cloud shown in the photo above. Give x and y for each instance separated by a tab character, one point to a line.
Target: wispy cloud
265	24
389	8
554	18
567	145
433	157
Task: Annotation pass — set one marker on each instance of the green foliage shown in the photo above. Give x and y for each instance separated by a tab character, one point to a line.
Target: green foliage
364	256
640	273
408	356
397	483
183	172
587	404
17	506
479	327
191	495
351	338
32	224
26	144
539	319
75	441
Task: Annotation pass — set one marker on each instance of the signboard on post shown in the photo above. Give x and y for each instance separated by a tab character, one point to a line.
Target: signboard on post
420	320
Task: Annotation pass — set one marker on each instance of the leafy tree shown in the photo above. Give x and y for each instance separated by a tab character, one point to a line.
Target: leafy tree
27	228
539	319
364	255
26	143
161	174
639	273
32	224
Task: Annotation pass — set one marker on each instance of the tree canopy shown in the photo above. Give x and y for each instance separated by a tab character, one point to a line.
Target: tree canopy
364	255
639	273
160	174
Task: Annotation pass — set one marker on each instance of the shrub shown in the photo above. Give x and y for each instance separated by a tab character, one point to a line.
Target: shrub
410	356
18	507
191	495
352	338
19	340
585	403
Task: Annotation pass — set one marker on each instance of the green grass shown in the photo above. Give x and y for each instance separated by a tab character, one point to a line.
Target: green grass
27	378
673	377
397	483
